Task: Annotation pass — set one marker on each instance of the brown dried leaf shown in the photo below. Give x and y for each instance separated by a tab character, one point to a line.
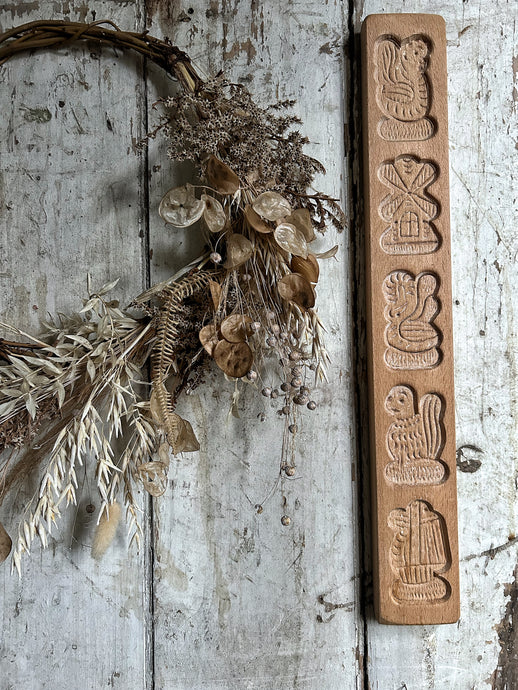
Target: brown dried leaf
308	268
239	250
236	328
215	293
301	219
291	240
186	441
5	544
271	205
235	359
180	207
209	337
221	177
295	288
255	221
214	214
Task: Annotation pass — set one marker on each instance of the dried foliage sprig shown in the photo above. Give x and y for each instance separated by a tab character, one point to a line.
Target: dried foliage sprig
74	396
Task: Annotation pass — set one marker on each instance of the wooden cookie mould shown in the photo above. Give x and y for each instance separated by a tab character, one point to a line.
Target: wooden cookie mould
410	348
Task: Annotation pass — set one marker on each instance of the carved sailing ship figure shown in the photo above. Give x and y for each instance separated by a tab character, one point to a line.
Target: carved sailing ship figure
419	551
408	208
414	440
402	92
410	308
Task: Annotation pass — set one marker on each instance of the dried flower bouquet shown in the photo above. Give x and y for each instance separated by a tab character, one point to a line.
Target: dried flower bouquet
73	397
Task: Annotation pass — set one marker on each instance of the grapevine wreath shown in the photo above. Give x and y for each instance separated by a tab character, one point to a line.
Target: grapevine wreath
68	396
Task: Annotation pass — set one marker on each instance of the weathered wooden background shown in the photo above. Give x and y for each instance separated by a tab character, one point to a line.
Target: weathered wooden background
221	597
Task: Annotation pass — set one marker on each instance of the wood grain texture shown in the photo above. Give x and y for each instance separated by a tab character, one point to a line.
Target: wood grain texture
300	622
409	319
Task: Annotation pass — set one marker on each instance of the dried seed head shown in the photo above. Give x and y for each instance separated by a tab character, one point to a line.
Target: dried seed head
252	375
296	382
258	508
215	258
180	207
236	328
286	410
295	356
300	399
90	508
304	390
285	520
221	177
312	405
285	387
271	206
267	392
275	393
292	428
255	326
214	214
296	371
235	359
271	341
275	328
290	471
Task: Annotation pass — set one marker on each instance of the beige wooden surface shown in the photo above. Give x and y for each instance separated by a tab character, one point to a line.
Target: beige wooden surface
221	597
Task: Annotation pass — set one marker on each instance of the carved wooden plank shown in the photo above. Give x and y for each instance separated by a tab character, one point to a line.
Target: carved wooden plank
410	343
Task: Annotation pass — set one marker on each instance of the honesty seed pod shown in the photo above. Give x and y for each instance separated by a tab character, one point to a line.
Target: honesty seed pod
271	205
236	328
235	359
239	250
214	214
209	337
5	544
291	240
255	221
308	268
221	177
296	288
301	219
180	207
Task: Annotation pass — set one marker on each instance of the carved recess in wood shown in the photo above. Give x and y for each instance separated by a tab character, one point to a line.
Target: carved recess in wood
419	551
403	92
414	439
408	208
410	308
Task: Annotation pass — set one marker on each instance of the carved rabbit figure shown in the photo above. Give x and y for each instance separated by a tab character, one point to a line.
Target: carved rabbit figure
403	93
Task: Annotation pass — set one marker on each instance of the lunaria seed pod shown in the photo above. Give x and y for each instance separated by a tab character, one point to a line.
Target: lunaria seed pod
239	250
308	267
180	207
291	240
219	176
255	221
271	206
214	214
5	544
301	219
236	328
295	288
209	337
235	359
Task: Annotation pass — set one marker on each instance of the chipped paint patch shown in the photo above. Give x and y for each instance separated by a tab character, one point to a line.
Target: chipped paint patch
505	675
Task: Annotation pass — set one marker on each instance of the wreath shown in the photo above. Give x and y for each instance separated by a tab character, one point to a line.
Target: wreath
71	396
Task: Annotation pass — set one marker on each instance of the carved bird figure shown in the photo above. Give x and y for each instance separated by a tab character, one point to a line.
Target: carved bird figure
414	439
402	87
411	307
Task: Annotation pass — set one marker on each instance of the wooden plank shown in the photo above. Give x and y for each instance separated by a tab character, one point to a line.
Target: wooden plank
481	44
71	197
241	600
409	319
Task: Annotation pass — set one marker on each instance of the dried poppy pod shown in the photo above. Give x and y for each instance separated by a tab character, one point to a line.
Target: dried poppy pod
291	240
255	221
214	214
5	544
301	219
271	206
221	177
235	359
295	288
180	207
239	250
209	337
236	328
308	268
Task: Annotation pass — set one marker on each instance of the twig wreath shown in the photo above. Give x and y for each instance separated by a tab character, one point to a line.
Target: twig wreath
69	396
